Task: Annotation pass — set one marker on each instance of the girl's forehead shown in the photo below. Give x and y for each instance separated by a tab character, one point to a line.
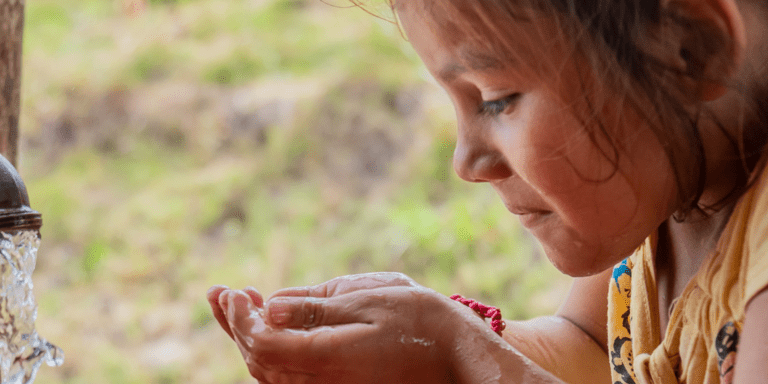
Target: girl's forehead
470	59
477	42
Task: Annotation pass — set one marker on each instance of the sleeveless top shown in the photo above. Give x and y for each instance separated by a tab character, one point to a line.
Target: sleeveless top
701	340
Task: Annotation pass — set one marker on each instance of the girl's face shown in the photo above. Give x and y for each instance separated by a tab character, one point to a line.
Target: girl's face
526	133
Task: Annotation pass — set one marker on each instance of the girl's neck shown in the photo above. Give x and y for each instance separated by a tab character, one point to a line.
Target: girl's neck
681	250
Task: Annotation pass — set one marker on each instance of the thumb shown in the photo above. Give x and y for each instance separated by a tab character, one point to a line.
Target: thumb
310	312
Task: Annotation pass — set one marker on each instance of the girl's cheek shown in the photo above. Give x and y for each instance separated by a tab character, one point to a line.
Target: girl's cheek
552	157
564	152
579	183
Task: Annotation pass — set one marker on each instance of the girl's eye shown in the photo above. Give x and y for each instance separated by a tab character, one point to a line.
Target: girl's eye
493	108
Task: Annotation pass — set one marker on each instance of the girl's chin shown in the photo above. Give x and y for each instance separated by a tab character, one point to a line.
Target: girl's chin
578	264
570	253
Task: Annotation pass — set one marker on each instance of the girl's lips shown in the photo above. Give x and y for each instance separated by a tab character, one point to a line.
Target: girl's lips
529	216
531	219
523	210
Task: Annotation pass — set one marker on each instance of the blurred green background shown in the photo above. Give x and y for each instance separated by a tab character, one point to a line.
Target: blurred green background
175	144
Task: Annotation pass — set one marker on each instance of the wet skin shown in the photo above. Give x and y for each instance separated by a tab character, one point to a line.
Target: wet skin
342	331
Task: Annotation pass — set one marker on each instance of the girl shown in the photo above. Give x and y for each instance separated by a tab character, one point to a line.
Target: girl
626	133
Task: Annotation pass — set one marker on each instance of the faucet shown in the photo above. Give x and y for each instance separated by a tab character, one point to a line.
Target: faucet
15	213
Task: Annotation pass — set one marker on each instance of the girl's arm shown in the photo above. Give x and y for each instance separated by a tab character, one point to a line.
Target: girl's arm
573	344
752	354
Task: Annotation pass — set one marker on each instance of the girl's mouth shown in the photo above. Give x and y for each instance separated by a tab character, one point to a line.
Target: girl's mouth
532	219
529	217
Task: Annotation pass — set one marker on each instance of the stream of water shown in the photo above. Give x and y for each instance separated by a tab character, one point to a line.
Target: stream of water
22	350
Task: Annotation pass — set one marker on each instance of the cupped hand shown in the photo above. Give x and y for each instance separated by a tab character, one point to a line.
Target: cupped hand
371	328
217	299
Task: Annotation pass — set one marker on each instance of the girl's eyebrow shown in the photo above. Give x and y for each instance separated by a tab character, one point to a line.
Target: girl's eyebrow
474	60
451	71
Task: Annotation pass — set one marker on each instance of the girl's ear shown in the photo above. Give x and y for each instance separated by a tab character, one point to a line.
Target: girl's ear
702	41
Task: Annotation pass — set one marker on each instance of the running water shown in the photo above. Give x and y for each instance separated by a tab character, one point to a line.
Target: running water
22	351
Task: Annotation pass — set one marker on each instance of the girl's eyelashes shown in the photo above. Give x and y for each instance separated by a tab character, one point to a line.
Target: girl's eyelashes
493	108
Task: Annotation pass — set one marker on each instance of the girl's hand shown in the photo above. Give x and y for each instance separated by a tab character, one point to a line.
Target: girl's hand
372	328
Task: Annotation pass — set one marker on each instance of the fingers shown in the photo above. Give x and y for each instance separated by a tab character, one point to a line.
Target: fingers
310	312
243	318
283	352
255	296
216	295
247	325
218	298
319	290
296	312
274	354
307	352
347	284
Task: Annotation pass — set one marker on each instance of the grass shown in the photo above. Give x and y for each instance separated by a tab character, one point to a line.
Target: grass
258	142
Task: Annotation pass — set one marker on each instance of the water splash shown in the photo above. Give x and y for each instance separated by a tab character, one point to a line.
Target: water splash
22	351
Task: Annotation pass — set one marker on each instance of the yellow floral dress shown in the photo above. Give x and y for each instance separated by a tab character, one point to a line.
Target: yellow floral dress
701	340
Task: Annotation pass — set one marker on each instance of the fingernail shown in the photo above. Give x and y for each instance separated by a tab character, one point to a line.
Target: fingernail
224	298
238	299
279	311
255	296
238	303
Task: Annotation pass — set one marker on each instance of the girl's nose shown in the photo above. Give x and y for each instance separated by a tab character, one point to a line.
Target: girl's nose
476	162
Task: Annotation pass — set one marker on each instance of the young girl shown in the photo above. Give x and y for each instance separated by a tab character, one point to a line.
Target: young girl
628	136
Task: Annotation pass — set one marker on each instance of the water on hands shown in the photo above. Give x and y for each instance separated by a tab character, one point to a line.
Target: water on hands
22	350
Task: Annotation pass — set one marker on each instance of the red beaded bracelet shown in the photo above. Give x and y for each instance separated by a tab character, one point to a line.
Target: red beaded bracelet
497	324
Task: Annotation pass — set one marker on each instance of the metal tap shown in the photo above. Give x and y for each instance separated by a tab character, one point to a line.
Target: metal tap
15	213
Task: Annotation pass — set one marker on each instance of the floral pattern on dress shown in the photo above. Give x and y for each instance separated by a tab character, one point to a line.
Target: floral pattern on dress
621	345
726	343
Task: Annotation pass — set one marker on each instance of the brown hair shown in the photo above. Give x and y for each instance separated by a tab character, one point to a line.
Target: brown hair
609	34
